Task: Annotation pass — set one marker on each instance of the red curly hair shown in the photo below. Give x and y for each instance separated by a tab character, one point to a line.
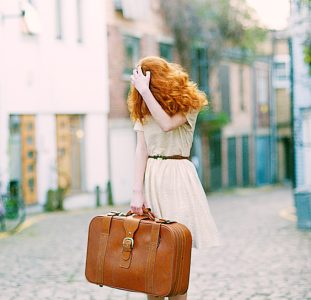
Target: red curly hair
171	87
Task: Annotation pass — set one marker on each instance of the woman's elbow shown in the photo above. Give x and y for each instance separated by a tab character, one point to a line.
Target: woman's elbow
166	127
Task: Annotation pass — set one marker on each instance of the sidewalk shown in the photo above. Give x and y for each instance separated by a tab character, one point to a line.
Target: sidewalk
264	256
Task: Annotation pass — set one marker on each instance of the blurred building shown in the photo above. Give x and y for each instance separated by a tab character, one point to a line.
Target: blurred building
281	96
255	146
240	153
300	33
135	29
300	50
53	96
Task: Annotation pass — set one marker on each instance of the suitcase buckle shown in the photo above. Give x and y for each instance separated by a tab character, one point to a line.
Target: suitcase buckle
113	213
128	242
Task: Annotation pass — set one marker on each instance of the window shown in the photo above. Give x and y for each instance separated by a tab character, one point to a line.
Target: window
132	53
224	85
59	19
118	5
262	89
241	87
262	85
30	19
166	51
280	71
199	70
79	21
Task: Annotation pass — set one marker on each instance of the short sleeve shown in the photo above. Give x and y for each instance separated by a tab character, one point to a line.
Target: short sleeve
191	118
138	126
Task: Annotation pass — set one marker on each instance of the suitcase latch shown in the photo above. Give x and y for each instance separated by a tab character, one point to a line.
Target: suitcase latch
128	243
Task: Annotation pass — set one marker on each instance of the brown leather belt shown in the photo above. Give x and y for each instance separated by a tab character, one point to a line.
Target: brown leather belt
169	157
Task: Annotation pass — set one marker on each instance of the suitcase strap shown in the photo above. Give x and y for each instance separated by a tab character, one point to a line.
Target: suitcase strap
153	246
130	225
103	240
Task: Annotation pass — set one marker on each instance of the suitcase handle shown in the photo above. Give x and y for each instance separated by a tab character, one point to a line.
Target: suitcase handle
146	212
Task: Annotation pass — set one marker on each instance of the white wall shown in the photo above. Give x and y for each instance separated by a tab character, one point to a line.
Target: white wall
49	75
306	123
96	151
4	159
45	76
47	156
299	27
122	141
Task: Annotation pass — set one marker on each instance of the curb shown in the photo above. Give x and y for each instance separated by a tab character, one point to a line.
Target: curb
27	223
31	220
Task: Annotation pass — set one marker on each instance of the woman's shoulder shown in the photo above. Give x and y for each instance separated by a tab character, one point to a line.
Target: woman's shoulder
140	125
191	117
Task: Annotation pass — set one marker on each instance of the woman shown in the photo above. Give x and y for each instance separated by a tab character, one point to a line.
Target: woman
164	105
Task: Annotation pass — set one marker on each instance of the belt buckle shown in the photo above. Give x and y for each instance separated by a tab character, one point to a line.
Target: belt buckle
160	157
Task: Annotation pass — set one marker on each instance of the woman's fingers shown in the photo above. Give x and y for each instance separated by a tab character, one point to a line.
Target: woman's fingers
137	210
148	75
135	71
139	71
132	79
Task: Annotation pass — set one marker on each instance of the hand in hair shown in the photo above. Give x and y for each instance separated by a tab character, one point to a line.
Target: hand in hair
139	80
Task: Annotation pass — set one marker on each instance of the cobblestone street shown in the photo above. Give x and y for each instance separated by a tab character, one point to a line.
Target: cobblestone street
264	256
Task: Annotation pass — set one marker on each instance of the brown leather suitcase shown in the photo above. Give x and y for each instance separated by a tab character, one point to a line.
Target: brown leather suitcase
139	253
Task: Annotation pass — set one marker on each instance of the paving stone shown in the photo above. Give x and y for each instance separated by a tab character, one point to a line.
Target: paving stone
264	257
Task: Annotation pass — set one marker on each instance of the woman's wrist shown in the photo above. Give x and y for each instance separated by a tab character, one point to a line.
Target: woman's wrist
138	190
144	91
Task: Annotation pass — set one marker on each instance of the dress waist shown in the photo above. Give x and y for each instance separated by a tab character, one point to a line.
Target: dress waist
169	157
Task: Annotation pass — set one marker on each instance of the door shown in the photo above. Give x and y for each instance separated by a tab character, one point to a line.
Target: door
63	140
245	160
263	158
232	178
70	137
29	158
215	160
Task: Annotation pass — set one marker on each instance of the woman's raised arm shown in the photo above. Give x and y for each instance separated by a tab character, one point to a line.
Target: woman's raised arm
165	121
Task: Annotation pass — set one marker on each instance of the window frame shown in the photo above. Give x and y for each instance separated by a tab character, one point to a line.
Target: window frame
169	48
134	42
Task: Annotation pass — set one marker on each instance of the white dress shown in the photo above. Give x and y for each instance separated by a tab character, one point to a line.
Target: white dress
172	187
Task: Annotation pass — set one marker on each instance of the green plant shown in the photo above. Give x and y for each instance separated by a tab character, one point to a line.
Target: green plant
307	52
11	208
214	24
12	203
210	122
54	200
109	193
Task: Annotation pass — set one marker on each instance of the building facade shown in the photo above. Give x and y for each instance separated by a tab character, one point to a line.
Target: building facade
300	45
241	153
300	32
281	95
53	97
135	29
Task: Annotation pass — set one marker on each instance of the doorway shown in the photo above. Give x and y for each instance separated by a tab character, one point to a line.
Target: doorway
70	152
23	155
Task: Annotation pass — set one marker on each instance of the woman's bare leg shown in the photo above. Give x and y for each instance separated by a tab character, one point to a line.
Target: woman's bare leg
179	297
155	298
